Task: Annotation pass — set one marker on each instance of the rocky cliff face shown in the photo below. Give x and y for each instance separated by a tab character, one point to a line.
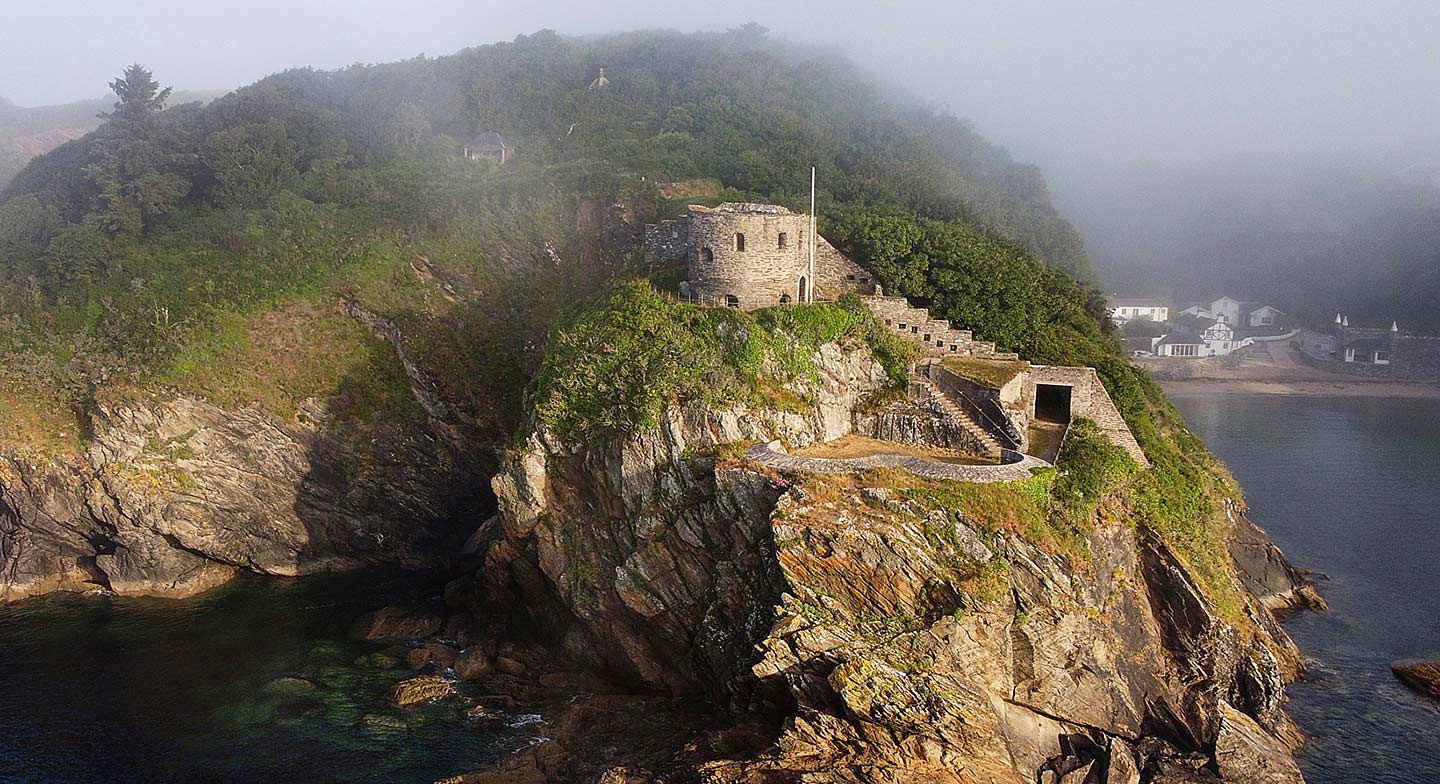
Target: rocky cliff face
174	494
897	640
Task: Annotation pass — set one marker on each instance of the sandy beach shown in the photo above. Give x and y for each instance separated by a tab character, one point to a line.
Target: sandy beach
1205	387
1270	371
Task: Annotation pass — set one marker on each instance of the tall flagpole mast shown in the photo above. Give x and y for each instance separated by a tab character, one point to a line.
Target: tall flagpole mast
810	289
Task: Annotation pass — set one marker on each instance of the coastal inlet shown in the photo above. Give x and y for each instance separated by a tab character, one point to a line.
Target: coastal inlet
262	680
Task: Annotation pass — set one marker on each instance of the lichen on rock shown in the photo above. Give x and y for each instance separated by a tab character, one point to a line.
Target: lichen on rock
896	624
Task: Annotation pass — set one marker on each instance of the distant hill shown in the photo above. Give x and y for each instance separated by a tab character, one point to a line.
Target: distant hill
28	132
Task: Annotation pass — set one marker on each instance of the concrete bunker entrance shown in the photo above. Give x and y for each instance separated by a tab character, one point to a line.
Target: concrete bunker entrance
1052	402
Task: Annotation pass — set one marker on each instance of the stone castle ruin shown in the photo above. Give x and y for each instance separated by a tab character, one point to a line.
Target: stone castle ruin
752	256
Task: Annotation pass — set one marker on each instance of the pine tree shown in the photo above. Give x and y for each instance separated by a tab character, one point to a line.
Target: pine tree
141	97
135	169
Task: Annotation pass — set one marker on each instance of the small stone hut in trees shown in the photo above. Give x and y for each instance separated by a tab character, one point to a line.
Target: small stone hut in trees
489	146
752	256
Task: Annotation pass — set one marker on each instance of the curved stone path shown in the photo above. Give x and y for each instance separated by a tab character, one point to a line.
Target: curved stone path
773	454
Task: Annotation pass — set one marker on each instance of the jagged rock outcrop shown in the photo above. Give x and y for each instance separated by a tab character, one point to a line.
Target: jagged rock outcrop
1421	675
898	641
647	557
174	494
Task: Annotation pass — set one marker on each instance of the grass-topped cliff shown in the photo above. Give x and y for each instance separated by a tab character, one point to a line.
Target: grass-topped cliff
282	242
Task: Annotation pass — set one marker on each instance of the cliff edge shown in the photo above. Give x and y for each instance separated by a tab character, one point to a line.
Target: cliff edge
893	627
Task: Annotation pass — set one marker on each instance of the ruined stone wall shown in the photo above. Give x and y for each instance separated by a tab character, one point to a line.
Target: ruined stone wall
837	274
667	242
1088	399
985	404
922	422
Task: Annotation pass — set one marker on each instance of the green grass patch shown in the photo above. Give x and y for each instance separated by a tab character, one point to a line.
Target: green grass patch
1092	468
613	365
994	373
278	359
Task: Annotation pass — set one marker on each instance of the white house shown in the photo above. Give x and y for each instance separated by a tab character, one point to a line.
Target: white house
1216	340
1123	310
1265	316
1256	315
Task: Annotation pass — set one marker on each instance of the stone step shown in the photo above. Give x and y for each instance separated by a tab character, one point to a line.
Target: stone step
955	411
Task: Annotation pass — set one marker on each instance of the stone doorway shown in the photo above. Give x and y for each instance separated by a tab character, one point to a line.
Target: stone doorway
1052	402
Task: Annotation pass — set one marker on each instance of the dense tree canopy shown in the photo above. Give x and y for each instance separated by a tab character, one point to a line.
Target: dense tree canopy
125	247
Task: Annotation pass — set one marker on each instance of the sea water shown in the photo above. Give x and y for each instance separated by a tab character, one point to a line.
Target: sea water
1350	487
199	690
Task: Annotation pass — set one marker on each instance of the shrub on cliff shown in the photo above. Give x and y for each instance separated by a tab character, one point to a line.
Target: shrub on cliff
614	365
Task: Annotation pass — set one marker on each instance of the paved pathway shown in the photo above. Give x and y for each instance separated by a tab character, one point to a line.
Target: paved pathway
774	455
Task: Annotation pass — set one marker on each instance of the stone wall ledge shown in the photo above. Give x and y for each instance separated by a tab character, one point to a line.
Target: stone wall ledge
1017	466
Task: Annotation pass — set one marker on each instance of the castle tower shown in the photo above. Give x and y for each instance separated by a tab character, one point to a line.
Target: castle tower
749	255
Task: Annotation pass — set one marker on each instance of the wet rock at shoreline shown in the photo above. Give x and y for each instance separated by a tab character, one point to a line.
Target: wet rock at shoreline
417	690
473	664
289	686
1421	675
441	656
398	622
380	660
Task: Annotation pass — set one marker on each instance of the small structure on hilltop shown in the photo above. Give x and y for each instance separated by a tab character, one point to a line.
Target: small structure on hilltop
489	146
600	81
752	256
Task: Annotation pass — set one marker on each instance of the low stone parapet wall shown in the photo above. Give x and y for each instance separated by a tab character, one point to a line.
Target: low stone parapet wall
773	455
917	424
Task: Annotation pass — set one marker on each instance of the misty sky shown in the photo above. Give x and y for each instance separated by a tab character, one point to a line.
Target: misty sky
1088	90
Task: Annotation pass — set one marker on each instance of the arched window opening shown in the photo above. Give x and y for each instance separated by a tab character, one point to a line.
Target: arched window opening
784	240
739	241
732	301
707	256
804	289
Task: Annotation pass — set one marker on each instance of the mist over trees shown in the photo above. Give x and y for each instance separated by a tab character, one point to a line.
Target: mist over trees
1315	237
119	249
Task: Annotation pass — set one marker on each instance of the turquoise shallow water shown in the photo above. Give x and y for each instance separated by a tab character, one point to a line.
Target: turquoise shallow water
1349	487
125	690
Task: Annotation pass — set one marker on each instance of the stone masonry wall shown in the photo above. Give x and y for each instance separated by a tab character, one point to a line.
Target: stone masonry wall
934	336
764	274
1415	357
1088	399
667	242
836	274
922	423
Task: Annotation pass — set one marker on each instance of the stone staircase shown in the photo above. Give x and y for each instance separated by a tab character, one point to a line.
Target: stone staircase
936	337
958	414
